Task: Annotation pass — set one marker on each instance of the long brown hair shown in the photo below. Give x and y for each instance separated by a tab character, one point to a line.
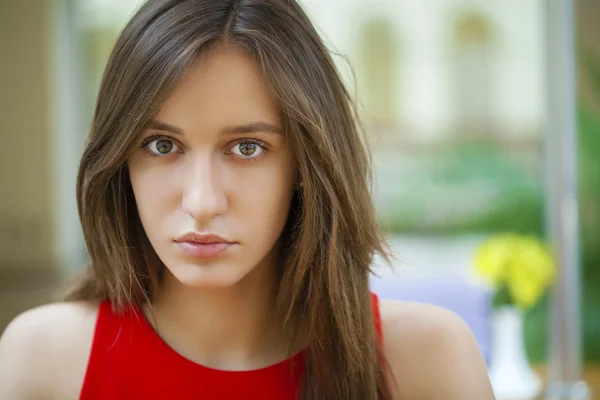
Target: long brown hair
331	235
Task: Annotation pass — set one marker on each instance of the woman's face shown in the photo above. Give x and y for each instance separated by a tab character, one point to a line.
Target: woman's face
213	177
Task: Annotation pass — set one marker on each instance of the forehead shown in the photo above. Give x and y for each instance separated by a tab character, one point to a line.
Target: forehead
224	87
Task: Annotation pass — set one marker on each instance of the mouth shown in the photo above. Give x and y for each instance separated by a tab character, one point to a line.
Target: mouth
203	246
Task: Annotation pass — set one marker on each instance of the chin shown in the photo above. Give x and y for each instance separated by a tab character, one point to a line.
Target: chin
214	276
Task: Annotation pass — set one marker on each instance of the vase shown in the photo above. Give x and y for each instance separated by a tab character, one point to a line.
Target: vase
510	373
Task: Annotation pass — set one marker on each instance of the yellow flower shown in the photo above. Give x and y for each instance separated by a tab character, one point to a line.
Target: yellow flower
520	263
530	273
493	257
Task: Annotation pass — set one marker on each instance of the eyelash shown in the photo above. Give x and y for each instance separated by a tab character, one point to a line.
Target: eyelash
264	146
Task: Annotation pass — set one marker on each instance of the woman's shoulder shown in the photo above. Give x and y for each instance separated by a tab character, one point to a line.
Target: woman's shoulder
46	350
431	353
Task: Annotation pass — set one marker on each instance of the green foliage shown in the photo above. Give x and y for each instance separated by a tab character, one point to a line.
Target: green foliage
589	183
589	188
502	297
536	331
496	195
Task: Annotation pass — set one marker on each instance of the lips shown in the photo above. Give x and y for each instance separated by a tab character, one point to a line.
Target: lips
193	237
203	246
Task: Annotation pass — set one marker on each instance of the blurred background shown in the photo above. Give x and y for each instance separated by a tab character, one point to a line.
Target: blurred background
453	94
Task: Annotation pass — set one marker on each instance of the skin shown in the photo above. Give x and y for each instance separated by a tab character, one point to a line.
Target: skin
202	180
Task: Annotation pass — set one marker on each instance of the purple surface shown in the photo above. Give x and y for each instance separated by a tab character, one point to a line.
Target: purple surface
470	302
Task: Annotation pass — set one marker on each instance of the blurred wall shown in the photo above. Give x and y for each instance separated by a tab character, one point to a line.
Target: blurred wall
26	256
438	70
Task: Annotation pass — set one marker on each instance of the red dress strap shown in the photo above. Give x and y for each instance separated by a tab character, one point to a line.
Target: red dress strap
376	316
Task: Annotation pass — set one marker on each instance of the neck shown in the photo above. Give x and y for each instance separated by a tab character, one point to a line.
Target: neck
233	328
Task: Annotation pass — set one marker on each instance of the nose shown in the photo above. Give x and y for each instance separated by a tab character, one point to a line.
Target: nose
203	195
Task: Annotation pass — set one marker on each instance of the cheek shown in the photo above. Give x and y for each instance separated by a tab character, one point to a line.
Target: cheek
264	199
152	188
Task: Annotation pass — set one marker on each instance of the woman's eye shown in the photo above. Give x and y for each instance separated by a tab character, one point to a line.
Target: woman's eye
247	149
162	147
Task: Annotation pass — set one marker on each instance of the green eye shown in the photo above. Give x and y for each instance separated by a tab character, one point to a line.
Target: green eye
248	149
162	147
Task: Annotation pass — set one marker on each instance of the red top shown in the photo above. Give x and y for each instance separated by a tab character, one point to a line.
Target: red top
130	361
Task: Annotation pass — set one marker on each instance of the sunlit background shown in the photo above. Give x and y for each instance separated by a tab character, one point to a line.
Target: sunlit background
454	97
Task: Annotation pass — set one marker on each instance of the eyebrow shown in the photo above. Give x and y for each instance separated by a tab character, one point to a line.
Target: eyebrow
252	127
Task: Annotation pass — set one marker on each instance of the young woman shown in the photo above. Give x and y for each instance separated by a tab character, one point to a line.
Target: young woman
224	198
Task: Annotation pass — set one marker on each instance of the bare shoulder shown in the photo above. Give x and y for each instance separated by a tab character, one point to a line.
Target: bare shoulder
432	354
44	351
